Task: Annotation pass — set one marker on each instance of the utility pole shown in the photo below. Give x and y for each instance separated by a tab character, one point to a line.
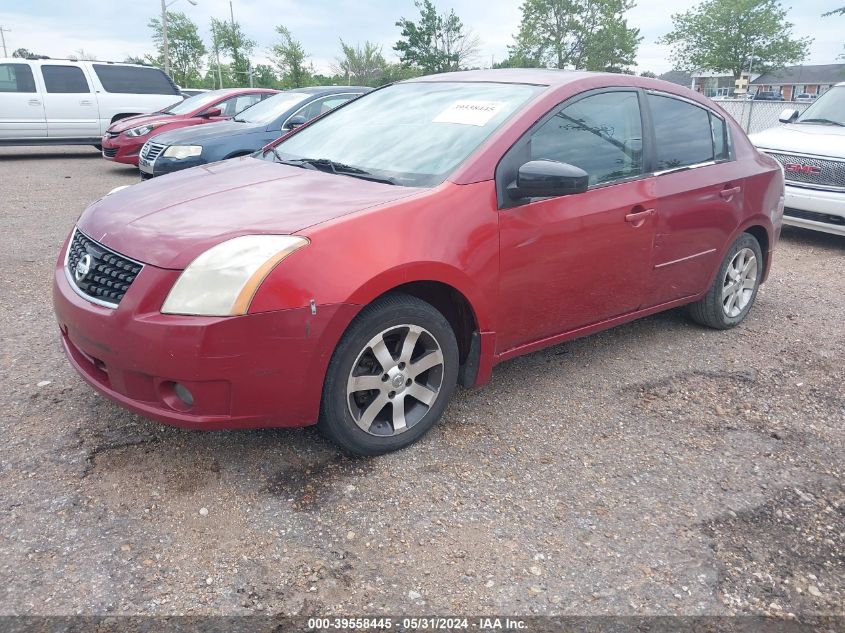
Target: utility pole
164	37
3	38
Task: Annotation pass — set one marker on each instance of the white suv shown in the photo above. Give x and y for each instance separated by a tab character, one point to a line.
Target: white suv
811	150
63	102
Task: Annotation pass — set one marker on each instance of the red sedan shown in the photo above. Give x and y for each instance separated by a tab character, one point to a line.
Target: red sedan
124	138
409	241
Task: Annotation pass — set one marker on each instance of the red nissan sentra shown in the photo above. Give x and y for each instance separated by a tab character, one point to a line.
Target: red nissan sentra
409	241
124	138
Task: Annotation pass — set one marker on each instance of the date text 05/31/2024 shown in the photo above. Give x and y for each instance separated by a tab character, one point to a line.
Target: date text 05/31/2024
416	624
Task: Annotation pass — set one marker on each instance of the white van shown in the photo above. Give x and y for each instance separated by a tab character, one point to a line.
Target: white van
63	102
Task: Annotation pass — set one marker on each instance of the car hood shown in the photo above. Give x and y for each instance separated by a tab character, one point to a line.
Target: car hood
197	134
808	138
142	119
168	221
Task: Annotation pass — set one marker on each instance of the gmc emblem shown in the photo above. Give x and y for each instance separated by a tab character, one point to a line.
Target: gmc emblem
798	168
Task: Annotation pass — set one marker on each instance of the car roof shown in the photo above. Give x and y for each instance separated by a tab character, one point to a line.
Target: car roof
330	89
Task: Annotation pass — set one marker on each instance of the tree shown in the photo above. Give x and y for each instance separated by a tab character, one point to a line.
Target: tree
185	47
361	66
726	35
25	53
81	55
135	59
229	38
437	43
289	57
649	74
580	34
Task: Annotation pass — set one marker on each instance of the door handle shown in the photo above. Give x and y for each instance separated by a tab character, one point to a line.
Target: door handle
34	102
637	218
728	193
86	102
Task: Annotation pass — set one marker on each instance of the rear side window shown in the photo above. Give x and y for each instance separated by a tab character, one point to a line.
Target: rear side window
134	80
67	79
682	132
601	134
16	78
720	138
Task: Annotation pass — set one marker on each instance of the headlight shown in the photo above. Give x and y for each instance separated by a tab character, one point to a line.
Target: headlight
141	130
183	151
223	280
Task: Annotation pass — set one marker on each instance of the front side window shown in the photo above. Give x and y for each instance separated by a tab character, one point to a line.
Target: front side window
601	134
414	133
64	79
321	106
682	131
233	105
16	78
134	80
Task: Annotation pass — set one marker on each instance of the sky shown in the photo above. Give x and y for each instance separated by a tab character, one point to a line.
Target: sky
113	29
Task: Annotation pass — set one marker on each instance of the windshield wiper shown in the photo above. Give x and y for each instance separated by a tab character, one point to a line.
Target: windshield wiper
828	121
330	166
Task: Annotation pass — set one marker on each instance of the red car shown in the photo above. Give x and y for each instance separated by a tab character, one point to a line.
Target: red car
124	138
409	241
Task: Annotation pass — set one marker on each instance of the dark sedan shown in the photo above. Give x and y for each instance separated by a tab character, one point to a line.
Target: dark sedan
251	130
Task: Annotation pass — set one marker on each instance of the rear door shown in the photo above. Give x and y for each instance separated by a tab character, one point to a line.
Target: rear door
699	196
69	102
21	105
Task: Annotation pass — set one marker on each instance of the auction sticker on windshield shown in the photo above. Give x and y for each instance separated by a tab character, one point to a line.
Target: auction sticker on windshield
469	112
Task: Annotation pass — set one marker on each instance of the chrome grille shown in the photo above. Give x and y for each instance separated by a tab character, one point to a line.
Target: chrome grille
811	171
112	134
151	150
98	273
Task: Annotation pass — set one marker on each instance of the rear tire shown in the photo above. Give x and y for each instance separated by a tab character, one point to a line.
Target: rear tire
390	377
734	290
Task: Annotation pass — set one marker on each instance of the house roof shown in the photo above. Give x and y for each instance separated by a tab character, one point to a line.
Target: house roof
812	74
677	77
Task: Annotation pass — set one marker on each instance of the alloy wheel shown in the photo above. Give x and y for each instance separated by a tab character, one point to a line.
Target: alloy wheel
395	380
739	283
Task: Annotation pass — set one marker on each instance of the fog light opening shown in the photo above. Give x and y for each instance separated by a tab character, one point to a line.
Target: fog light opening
184	394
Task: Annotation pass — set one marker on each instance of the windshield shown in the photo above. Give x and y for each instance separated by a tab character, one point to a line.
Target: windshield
269	109
828	109
192	103
413	134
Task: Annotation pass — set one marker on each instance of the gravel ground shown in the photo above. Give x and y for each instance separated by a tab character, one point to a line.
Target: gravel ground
657	468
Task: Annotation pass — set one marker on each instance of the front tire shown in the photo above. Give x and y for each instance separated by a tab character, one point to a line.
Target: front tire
734	290
390	377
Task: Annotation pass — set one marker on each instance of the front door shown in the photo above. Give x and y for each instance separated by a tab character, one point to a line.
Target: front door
69	103
21	106
572	261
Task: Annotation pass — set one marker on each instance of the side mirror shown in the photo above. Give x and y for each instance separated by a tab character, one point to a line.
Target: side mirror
211	112
548	178
295	122
788	116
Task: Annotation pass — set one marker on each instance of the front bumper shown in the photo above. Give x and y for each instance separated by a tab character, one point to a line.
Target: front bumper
122	149
816	209
258	370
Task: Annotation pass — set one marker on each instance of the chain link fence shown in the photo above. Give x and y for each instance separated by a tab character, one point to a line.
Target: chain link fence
755	116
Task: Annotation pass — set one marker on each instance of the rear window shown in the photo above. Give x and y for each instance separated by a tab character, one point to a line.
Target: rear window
134	80
683	132
64	79
16	78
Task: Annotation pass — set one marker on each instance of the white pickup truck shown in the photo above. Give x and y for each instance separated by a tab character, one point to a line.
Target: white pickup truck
811	150
66	102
